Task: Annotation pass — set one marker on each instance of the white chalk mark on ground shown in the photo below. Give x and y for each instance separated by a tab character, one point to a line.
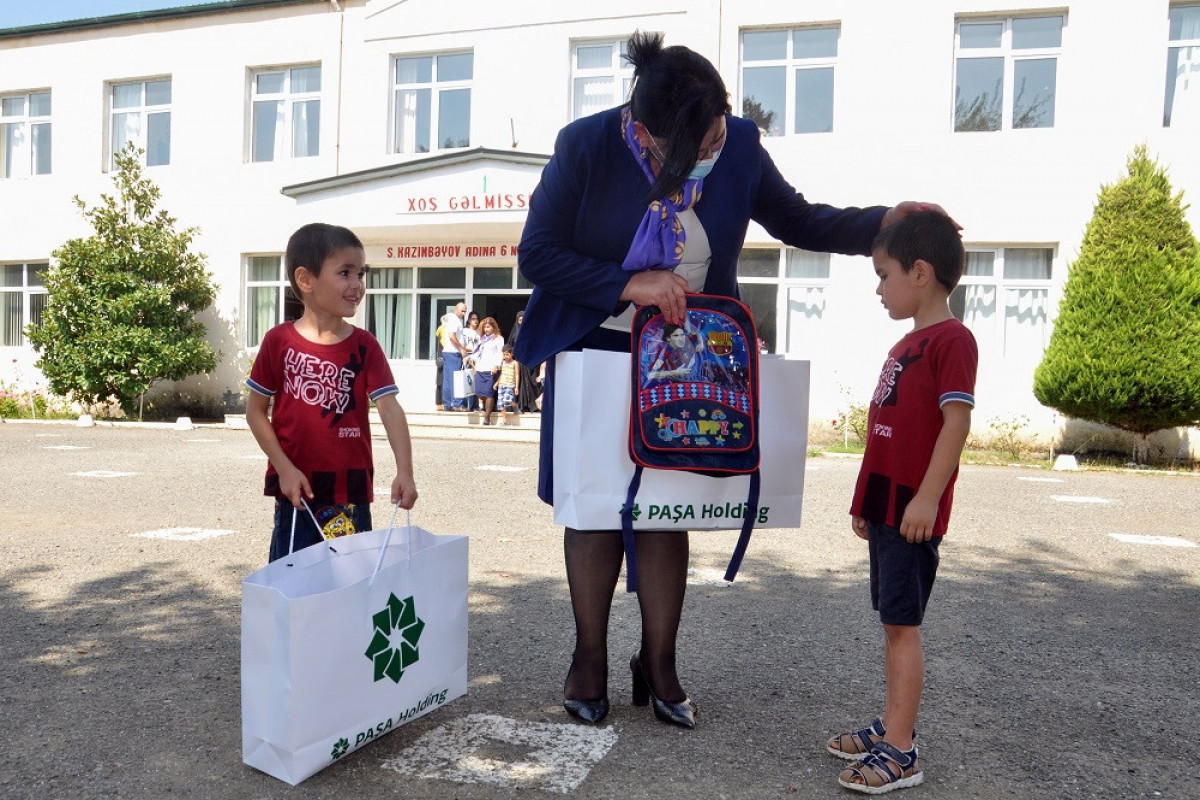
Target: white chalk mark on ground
183	534
706	576
104	473
1042	480
1163	541
494	750
1070	498
500	468
65	447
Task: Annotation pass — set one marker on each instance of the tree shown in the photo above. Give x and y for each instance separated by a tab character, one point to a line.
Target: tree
753	109
1126	346
121	307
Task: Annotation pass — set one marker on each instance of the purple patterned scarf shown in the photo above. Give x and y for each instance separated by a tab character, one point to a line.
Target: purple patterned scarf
660	238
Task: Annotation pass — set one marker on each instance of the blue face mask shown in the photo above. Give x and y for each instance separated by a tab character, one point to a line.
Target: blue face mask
703	167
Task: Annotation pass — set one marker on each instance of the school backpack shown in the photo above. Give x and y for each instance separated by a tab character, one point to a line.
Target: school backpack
694	404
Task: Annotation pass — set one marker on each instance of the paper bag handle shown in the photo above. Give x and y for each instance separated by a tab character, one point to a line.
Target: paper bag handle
292	538
387	538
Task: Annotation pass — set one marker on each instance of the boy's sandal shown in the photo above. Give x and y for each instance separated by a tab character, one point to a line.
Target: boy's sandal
883	769
856	744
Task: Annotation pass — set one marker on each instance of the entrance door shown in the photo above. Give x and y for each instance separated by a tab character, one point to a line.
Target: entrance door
433	306
502	307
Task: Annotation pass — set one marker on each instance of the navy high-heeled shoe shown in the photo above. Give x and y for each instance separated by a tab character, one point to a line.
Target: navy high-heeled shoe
682	713
589	711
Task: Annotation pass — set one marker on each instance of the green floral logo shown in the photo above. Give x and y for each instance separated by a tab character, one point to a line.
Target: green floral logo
339	748
394	645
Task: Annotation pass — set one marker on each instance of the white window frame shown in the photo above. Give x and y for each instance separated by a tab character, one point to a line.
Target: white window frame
144	111
436	87
282	301
618	72
285	138
408	342
19	135
1011	56
993	335
29	288
1184	79
791	64
816	286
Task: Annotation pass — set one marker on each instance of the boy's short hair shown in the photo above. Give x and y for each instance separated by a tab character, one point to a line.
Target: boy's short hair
929	236
311	244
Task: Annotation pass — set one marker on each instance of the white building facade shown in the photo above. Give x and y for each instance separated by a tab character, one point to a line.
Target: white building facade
423	126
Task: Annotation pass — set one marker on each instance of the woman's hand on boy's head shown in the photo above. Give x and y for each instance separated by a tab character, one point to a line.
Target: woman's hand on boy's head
404	491
902	210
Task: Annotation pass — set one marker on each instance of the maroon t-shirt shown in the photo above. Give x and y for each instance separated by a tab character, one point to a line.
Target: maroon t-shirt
321	411
925	370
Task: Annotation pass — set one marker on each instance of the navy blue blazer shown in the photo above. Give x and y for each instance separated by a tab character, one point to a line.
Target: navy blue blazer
587	207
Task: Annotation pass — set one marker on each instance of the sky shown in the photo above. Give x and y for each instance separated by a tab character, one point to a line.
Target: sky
19	13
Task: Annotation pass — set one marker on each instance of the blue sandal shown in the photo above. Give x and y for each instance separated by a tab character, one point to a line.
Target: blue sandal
885	768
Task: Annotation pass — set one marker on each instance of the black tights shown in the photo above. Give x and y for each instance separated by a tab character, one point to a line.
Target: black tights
593	566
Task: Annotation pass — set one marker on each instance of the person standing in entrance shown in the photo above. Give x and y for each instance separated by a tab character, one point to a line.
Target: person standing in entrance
453	353
637	206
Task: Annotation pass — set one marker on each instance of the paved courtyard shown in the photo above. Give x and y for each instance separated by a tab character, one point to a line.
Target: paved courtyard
1061	640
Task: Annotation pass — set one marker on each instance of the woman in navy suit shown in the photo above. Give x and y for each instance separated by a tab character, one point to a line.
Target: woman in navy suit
637	206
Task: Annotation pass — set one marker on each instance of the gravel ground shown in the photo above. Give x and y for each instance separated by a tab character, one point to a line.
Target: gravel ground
1061	661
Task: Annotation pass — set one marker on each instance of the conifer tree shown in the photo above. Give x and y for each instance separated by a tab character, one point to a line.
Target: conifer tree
121	307
1126	345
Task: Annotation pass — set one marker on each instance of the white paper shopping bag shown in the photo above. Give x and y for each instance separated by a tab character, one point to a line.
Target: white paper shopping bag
464	383
339	647
592	468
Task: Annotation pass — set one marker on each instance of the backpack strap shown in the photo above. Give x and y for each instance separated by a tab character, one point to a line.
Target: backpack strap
627	530
743	541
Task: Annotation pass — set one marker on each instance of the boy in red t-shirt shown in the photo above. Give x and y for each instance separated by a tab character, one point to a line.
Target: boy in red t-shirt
320	370
918	423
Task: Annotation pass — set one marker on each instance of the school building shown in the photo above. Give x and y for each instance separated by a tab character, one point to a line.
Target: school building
424	125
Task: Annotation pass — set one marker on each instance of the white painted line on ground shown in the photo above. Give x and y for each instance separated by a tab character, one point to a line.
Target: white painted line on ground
500	468
1071	498
1042	480
103	473
183	534
65	447
1164	541
494	750
707	576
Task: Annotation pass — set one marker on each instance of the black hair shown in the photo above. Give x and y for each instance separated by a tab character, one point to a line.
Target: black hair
311	244
929	236
678	95
508	348
669	328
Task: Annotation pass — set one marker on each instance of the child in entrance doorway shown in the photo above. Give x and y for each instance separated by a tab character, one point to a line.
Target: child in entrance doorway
509	388
918	423
320	371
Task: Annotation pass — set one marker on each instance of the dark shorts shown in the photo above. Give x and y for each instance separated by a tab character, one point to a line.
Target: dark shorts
335	520
902	574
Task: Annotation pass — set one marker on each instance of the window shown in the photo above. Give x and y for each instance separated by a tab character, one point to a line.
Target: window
141	114
390	309
1006	73
269	297
1183	68
600	77
432	102
25	135
788	284
22	301
787	79
1003	298
286	113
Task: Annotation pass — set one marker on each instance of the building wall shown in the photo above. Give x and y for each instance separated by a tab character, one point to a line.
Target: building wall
892	139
